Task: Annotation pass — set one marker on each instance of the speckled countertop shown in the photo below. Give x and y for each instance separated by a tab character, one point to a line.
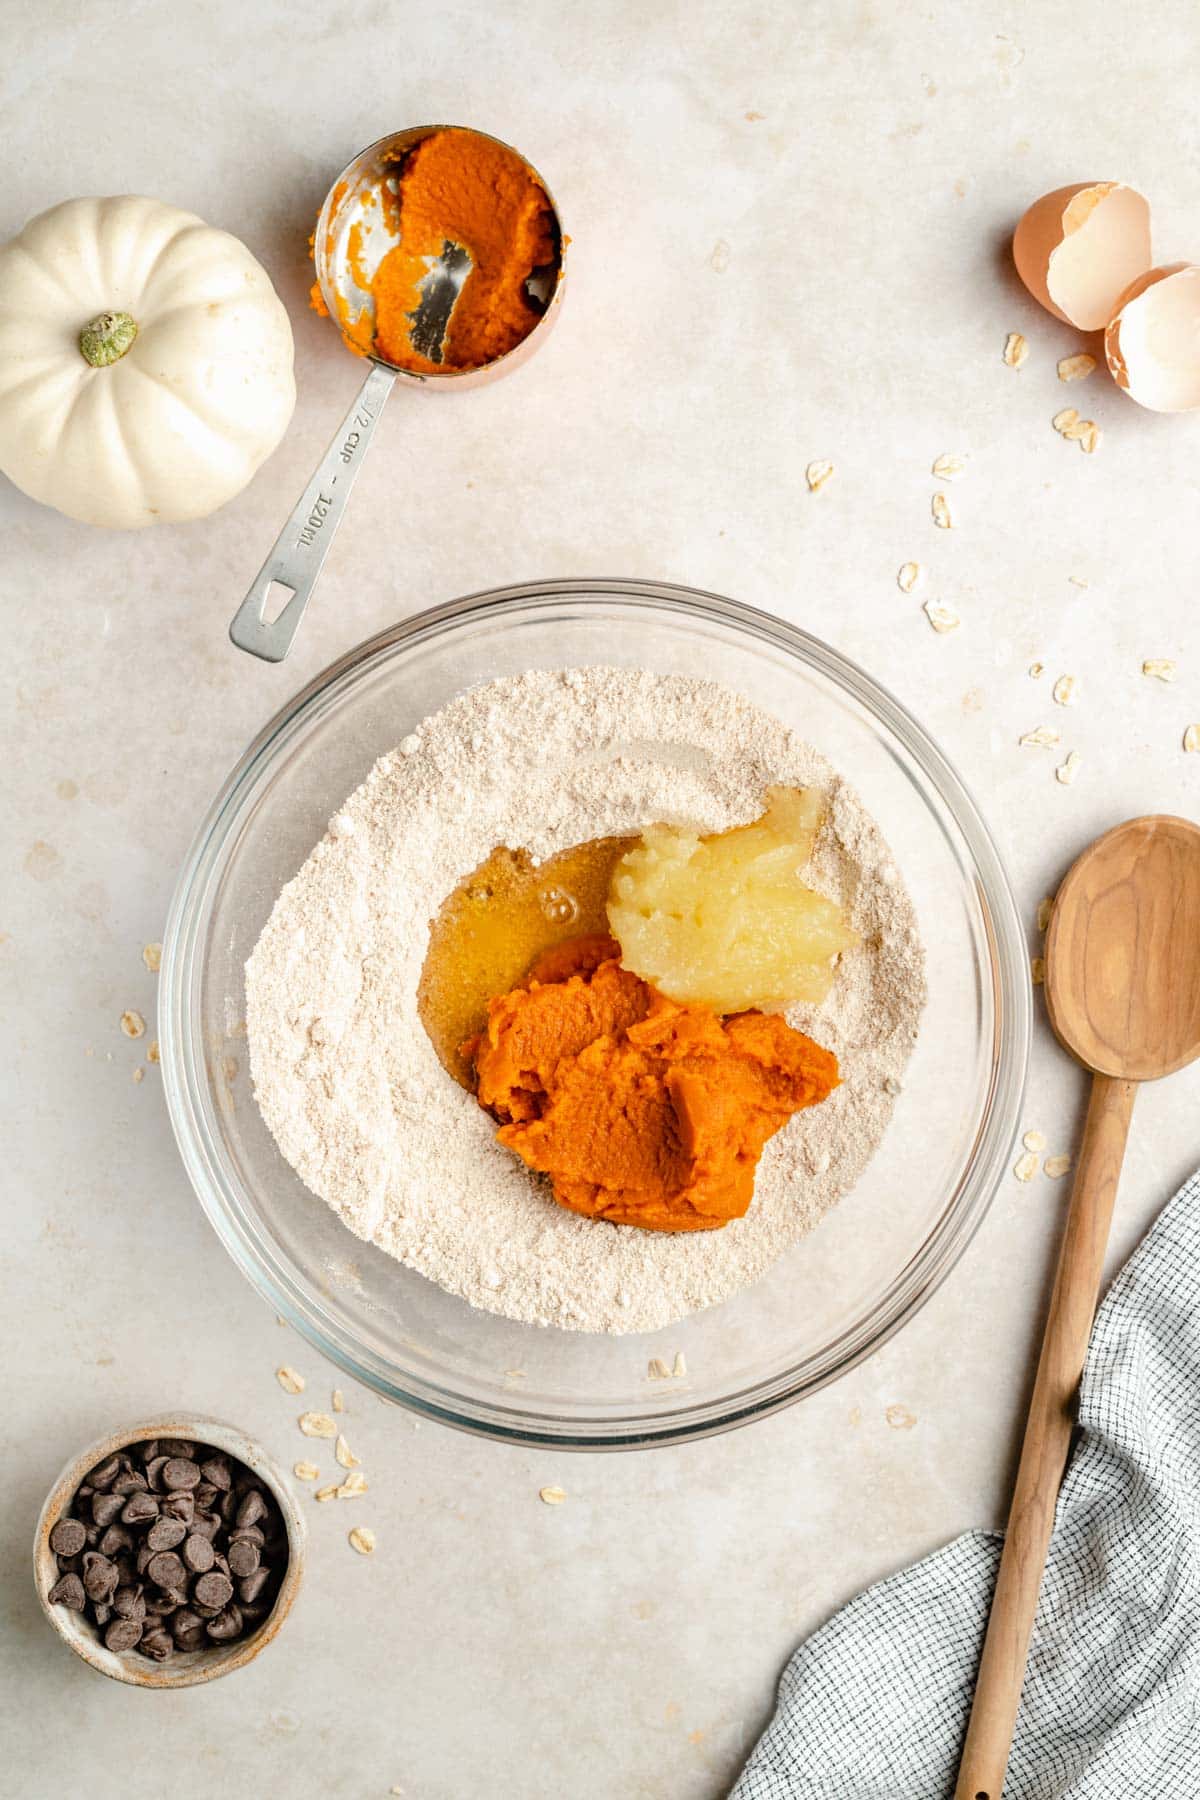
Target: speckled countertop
790	227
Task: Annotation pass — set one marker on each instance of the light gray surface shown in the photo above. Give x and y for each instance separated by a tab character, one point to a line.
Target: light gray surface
747	293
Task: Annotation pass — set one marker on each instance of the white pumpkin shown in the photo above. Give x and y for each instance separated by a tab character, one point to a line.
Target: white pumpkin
145	362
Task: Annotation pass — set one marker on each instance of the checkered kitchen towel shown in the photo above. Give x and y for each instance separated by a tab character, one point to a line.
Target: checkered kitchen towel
875	1706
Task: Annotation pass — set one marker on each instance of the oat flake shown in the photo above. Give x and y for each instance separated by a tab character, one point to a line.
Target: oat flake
1067	771
1016	350
1042	737
899	1418
1057	1166
1034	1140
818	473
908	575
942	516
152	957
368	1117
943	618
362	1539
318	1425
1026	1167
1076	368
552	1496
289	1380
132	1024
1160	668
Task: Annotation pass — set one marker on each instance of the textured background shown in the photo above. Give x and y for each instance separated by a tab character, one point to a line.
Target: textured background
790	226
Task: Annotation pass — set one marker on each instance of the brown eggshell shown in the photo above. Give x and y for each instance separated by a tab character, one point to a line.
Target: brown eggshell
1079	248
1152	344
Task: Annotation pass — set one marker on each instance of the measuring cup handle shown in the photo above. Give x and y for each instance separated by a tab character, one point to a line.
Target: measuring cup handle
303	544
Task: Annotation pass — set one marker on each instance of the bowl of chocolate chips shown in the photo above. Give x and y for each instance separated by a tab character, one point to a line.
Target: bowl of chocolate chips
169	1553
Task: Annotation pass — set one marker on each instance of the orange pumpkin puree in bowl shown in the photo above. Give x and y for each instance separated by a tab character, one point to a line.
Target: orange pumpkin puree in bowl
640	1110
455	186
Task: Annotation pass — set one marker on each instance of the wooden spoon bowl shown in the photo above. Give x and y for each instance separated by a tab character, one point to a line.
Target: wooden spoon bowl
1123	951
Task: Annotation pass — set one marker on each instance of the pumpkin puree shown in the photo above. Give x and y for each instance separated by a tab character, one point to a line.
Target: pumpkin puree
459	187
641	1111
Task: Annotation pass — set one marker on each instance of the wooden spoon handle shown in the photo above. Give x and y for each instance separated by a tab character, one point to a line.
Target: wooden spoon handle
1047	1442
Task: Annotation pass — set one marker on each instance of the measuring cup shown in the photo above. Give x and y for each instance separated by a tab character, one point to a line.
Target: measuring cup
356	199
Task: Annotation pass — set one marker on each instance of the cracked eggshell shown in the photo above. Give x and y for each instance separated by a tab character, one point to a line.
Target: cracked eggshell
1078	249
1153	341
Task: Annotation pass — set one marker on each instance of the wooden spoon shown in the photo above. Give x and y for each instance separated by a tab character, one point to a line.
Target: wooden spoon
1123	995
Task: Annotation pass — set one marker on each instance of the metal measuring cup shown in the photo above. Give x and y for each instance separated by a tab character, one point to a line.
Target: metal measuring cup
356	199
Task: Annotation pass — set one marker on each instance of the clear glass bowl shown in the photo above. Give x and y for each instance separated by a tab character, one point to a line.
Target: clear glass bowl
824	1306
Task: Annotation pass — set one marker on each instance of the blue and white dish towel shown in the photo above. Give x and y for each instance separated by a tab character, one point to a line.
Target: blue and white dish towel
875	1705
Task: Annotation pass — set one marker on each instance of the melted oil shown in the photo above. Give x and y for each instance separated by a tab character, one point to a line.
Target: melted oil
493	926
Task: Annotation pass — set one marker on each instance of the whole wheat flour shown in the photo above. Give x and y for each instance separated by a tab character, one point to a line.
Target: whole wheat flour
349	1083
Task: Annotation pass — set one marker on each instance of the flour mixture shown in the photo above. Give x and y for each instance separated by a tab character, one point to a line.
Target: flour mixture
353	1091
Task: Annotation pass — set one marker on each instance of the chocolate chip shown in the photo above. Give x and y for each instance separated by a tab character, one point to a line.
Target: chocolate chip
68	1591
252	1585
122	1634
166	1570
217	1472
181	1447
205	1494
149	1450
187	1628
157	1644
226	1625
99	1575
129	1603
244	1557
166	1534
213	1589
220	1560
105	1507
154	1469
227	1506
206	1524
101	1612
252	1532
198	1553
93	1533
130	1481
69	1565
181	1472
115	1539
138	1508
68	1537
251	1508
144	1553
105	1473
180	1506
205	1612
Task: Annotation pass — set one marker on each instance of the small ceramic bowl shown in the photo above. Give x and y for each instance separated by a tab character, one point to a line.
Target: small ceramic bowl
185	1669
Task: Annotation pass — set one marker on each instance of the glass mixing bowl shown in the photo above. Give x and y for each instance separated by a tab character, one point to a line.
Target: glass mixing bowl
839	1293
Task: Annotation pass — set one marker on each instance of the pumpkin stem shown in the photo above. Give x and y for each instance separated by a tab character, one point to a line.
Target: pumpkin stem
107	338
